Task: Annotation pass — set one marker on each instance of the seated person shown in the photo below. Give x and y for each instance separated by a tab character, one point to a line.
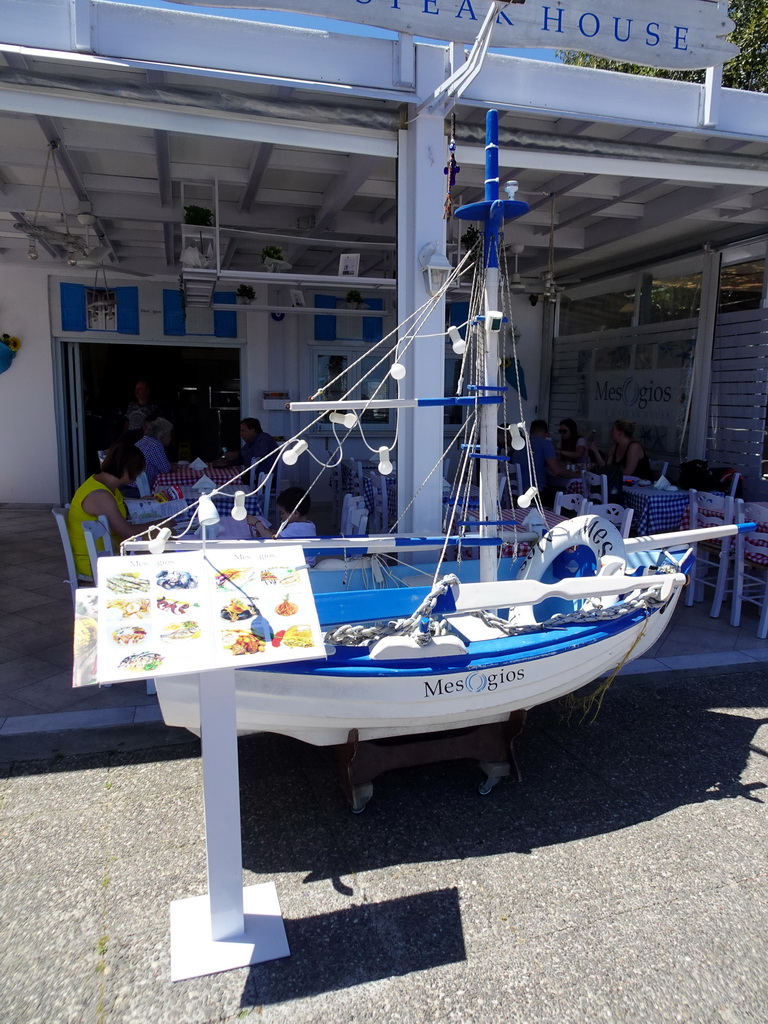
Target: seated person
257	445
293	507
624	451
551	474
100	496
572	448
157	437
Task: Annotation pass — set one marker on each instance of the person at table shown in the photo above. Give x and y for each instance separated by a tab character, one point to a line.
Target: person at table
572	448
551	474
157	437
257	445
100	496
624	451
293	506
143	409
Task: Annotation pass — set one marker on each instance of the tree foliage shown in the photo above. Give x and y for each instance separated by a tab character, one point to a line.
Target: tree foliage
749	70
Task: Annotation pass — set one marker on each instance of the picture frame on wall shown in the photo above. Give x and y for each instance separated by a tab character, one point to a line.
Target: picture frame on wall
349	264
297	297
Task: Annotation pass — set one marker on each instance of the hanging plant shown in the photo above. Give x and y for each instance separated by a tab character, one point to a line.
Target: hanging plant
471	239
246	294
272	252
8	349
354	300
199	215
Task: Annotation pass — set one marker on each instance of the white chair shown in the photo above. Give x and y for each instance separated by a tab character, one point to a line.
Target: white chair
659	467
97	533
142	485
713	558
264	482
594	486
618	515
380	503
751	566
74	579
510	483
358	522
350	504
569	503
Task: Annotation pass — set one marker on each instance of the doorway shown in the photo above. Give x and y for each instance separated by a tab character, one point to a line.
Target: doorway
197	388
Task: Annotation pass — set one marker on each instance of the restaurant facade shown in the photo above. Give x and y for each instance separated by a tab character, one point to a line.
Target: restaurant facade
639	275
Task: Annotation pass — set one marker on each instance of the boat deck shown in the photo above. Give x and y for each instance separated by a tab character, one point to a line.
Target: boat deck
36	640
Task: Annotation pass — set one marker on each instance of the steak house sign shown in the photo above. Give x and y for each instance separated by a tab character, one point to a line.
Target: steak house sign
675	34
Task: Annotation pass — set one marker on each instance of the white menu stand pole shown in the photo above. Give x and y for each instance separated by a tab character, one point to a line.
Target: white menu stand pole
231	926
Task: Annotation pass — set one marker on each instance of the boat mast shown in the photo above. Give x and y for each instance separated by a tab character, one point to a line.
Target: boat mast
492	213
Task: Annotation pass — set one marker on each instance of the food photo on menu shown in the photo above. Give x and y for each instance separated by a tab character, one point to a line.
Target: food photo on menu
181	613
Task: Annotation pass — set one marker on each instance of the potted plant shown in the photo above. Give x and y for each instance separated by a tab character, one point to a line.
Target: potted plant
245	294
273	258
472	241
198	215
354	300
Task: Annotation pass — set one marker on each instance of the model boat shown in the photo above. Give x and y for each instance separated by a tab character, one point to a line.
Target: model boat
403	659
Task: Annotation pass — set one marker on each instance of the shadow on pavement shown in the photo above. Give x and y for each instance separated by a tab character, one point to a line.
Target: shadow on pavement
361	944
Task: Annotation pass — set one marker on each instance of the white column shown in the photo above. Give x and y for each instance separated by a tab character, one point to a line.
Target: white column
702	367
421	190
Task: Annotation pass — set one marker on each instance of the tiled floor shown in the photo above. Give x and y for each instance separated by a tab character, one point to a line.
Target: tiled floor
36	637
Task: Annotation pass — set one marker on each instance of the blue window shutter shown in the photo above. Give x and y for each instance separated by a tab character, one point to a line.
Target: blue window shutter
325	326
72	307
224	322
127	310
373	325
173	313
457	314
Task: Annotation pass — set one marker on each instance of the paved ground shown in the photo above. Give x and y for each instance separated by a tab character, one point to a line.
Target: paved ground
624	879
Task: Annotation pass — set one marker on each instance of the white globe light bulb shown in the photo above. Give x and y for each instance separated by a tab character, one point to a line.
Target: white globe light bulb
292	454
239	511
158	542
397	371
457	342
524	501
385	466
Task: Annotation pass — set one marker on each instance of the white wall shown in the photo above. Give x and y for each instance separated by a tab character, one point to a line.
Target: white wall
28	459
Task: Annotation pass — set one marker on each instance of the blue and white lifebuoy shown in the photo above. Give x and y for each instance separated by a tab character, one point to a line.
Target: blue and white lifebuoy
575	547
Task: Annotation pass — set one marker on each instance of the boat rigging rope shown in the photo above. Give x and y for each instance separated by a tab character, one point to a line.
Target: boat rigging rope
591	613
359	635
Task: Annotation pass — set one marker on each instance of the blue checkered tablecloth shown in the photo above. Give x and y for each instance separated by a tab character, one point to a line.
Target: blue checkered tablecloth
368	493
655	511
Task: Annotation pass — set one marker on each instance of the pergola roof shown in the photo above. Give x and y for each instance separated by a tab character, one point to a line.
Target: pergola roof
300	130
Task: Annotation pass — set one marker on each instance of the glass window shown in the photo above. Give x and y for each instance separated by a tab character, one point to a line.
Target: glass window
617	357
741	286
676	298
604	312
345	375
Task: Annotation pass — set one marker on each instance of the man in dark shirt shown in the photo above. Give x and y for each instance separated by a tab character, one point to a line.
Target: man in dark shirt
257	444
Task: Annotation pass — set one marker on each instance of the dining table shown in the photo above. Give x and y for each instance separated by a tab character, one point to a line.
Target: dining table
186	476
656	511
181	504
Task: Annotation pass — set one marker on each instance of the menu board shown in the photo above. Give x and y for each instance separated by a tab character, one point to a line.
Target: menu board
188	612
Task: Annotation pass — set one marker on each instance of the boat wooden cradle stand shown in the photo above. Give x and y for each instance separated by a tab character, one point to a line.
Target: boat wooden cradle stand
492	745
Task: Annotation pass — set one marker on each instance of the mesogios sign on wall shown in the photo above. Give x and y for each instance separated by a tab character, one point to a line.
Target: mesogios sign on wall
657	33
654	400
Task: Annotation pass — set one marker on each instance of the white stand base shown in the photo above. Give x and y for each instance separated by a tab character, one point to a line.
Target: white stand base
195	953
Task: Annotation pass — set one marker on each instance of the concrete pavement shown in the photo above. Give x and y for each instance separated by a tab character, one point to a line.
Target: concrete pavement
624	879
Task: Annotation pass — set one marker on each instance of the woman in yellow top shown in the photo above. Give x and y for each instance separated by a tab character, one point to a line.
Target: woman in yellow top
99	496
